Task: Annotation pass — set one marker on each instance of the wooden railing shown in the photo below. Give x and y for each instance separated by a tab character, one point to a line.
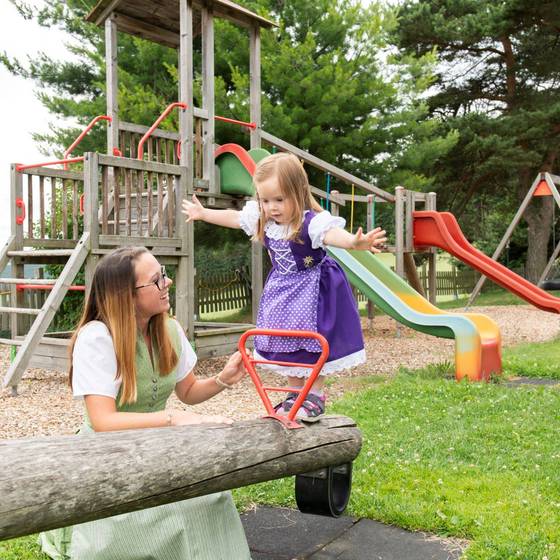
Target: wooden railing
138	198
52	204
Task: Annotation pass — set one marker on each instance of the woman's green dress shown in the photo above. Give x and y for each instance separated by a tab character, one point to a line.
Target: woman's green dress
204	528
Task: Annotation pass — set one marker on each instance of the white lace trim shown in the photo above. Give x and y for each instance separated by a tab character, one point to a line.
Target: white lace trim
318	226
285	260
341	364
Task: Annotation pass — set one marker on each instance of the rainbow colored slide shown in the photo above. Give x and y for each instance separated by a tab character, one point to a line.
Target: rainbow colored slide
477	337
440	229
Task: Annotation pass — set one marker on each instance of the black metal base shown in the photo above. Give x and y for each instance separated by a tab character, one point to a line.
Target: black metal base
325	491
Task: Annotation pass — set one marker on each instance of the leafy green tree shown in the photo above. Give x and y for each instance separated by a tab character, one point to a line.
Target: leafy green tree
332	84
498	84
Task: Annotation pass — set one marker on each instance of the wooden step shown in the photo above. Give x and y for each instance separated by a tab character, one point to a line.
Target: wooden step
22	310
42	253
38	281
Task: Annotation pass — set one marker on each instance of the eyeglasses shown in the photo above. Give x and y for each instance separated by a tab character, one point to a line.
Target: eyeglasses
159	282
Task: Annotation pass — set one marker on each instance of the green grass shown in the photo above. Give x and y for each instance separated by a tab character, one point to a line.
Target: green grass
475	461
533	360
494	296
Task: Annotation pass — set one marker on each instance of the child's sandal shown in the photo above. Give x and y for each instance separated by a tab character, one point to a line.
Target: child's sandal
313	406
286	405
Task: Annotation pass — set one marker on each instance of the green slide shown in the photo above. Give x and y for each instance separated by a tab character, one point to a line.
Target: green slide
477	337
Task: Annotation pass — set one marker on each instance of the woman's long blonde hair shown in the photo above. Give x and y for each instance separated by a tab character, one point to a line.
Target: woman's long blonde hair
294	185
111	301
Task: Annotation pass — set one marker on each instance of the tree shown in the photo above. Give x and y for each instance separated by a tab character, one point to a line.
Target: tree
498	84
331	85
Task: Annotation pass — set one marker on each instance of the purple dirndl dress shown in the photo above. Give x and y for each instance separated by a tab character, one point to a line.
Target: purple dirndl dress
307	290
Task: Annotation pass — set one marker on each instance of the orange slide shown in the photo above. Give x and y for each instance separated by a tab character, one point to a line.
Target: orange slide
440	229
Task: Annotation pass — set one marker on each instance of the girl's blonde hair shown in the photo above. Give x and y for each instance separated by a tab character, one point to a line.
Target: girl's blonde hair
294	185
111	301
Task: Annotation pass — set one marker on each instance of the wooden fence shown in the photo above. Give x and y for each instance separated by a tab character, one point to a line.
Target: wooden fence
221	291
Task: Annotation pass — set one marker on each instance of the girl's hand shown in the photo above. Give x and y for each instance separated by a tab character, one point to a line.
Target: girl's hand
193	210
184	418
234	370
373	240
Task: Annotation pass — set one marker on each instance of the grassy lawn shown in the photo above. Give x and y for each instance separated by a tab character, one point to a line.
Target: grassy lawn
474	461
493	296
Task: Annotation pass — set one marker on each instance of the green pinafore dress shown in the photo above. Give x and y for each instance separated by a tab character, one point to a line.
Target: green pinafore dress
203	528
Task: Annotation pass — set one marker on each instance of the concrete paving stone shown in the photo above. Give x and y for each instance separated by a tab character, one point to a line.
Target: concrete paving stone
287	534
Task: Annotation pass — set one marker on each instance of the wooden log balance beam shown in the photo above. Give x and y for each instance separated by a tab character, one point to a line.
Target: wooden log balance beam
53	482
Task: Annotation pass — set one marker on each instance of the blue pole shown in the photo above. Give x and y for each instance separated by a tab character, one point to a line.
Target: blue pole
328	202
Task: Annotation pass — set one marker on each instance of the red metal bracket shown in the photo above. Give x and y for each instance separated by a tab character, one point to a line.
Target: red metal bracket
20	218
249	363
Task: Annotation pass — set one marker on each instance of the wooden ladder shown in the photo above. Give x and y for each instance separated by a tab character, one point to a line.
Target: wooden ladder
76	258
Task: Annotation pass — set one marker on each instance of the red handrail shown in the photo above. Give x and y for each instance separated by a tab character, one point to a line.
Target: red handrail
249	364
83	133
234	121
21	167
168	109
47	287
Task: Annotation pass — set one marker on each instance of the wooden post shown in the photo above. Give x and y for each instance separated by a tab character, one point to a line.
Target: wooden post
369	227
74	479
91	213
112	85
257	273
16	297
399	237
185	277
432	257
208	126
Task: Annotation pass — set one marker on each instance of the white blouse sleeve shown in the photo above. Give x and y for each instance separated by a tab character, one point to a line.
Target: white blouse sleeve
249	217
94	362
320	224
187	359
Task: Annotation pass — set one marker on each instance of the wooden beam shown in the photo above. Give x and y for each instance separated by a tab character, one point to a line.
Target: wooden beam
325	166
208	125
73	479
111	72
255	84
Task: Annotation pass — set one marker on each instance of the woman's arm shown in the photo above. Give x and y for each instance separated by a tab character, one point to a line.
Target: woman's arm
191	390
195	211
371	241
104	417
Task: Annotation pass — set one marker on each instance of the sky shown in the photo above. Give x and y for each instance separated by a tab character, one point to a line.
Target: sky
20	111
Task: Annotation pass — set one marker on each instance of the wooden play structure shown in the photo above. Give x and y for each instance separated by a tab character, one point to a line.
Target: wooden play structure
545	184
131	194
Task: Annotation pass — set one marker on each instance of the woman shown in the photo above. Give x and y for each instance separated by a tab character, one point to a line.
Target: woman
128	356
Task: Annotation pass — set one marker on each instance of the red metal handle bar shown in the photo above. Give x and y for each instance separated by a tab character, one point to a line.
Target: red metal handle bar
47	287
249	364
168	110
251	125
83	133
21	217
21	167
82	204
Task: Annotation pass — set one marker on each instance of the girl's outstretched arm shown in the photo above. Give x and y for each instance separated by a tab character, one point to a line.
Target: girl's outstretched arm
195	211
371	241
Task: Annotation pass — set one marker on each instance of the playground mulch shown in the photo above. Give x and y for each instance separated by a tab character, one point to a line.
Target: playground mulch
45	405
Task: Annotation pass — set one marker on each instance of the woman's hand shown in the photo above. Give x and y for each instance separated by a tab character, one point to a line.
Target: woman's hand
193	210
184	418
373	240
233	371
